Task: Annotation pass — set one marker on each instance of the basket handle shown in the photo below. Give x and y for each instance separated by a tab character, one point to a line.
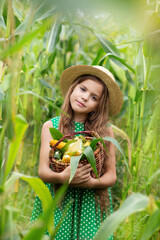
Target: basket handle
75	133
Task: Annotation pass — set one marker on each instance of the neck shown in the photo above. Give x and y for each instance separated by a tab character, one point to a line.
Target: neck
80	119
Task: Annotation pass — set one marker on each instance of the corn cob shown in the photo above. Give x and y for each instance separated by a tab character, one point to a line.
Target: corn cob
66	159
60	145
87	144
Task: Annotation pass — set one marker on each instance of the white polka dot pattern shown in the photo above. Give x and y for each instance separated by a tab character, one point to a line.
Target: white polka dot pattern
83	219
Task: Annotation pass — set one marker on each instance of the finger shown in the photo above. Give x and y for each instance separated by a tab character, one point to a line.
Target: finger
87	166
86	171
80	165
85	176
84	179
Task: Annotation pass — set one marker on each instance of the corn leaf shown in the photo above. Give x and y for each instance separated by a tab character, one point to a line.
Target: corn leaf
35	95
20	129
1	6
88	152
108	46
38	229
74	164
54	35
134	203
154	175
43	193
55	133
2	23
94	143
116	143
26	39
119	61
152	225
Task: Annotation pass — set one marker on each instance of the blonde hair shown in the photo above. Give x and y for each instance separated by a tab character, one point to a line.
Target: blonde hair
96	120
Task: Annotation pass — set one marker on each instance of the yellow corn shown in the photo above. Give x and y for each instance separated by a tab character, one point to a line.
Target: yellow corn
79	152
66	159
87	144
60	145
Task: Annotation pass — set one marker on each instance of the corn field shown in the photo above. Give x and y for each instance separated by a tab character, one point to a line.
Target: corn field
38	40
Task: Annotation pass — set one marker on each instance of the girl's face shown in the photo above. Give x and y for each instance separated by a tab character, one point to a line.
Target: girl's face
85	98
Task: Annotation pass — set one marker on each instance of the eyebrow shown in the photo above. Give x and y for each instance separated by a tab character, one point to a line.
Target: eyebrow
92	93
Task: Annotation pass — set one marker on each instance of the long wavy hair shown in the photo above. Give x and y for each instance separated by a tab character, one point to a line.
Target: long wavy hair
96	120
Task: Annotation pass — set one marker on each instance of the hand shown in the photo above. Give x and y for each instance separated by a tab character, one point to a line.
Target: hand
90	183
82	174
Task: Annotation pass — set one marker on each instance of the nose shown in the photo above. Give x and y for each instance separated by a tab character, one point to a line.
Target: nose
85	96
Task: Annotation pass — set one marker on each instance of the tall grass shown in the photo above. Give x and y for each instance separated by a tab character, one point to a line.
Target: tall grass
38	41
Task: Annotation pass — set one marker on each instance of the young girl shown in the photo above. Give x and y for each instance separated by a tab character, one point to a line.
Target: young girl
91	95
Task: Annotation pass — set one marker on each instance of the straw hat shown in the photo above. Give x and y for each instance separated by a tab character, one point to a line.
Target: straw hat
115	95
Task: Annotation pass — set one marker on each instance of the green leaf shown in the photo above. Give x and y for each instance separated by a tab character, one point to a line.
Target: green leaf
94	143
1	6
107	45
134	203
27	38
20	129
38	229
2	95
116	143
98	57
17	13
129	78
51	59
36	95
2	23
88	152
55	133
74	164
152	225
44	10
43	193
154	175
138	96
54	35
119	61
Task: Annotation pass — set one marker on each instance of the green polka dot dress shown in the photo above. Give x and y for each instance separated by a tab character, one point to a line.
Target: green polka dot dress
83	219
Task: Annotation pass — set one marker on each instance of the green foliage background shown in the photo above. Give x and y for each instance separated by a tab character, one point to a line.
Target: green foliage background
38	40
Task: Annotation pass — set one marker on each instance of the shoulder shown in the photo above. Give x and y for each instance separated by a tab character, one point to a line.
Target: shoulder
45	133
47	124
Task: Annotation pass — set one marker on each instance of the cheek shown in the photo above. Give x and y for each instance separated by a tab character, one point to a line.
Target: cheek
95	105
72	97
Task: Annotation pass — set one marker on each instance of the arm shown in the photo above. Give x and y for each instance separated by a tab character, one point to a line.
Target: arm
109	177
45	173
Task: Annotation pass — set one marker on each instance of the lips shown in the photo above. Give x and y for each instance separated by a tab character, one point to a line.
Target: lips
80	104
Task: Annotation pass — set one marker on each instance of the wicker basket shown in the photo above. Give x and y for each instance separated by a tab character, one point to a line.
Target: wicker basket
59	166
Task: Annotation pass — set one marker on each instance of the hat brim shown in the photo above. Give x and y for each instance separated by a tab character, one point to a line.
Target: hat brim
115	95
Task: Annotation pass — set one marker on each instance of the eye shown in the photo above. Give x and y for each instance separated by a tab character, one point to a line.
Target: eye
82	89
94	98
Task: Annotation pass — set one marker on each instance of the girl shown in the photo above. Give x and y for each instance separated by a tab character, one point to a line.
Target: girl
91	95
